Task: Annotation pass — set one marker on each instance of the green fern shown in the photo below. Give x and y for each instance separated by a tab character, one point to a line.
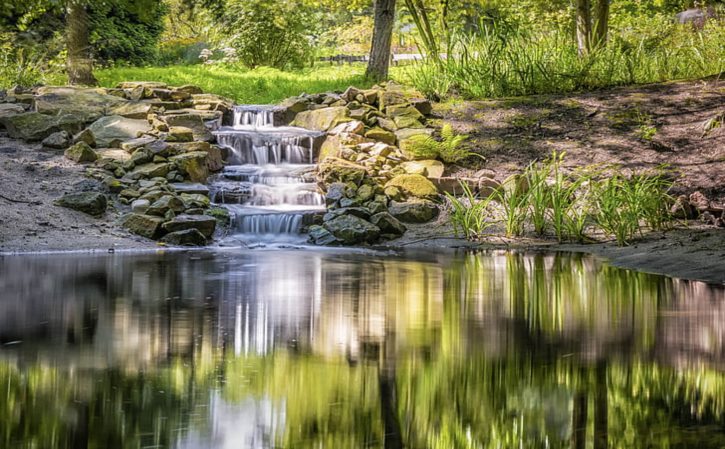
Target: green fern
448	149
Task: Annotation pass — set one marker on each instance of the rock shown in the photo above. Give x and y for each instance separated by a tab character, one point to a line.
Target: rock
194	164
188	237
203	223
334	169
147	171
364	193
140	206
381	135
191	188
164	204
10	109
91	203
699	201
387	124
195	200
334	145
388	224
142	84
359	212
335	192
322	119
413	211
190	89
112	130
83	103
180	134
352	127
112	155
423	105
147	226
404	139
351	230
321	236
417	186
394	193
388	98
33	126
427	167
350	94
211	102
134	144
132	109
58	141
85	136
193	121
682	208
407	122
81	152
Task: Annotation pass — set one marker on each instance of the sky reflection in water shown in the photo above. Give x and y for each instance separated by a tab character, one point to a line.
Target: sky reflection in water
303	349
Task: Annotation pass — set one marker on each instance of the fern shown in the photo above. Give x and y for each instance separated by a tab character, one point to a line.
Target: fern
448	149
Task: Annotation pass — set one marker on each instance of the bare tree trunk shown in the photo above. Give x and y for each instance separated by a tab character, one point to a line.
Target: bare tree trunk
601	407
601	24
382	40
583	26
579	421
79	64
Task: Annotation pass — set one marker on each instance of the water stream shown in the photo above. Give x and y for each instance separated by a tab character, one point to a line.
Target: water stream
346	350
268	185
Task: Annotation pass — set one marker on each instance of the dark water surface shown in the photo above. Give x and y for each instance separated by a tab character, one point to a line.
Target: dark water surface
306	349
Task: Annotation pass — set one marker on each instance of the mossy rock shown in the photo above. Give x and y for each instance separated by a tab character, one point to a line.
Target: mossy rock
381	135
187	237
194	164
81	153
203	223
352	230
34	126
322	119
110	131
91	203
414	211
417	186
147	226
335	169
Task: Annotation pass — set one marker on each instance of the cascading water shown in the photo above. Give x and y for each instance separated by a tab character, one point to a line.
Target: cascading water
268	185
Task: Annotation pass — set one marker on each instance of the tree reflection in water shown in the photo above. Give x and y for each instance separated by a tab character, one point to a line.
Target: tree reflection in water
306	350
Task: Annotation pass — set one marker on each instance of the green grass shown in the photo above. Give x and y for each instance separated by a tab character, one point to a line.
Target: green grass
258	86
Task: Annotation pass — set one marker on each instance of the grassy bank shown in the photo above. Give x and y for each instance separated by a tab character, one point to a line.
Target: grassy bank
257	86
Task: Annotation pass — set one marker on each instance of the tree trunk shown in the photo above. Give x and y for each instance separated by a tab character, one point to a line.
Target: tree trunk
382	39
601	27
79	64
584	26
579	421
601	408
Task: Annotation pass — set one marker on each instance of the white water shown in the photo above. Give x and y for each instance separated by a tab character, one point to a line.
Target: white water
268	187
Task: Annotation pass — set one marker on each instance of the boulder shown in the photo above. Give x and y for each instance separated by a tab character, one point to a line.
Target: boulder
81	152
322	119
147	226
417	186
58	141
194	164
190	188
423	105
381	135
391	97
413	211
140	206
193	121
147	171
91	203
112	155
196	200
203	223
388	224
187	237
131	109
428	167
34	126
321	236
85	136
484	187
112	130
180	134
10	109
334	145
351	127
211	102
88	104
190	89
134	144
351	230
334	169
403	122
165	204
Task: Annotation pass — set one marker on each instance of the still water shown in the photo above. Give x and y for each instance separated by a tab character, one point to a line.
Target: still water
308	349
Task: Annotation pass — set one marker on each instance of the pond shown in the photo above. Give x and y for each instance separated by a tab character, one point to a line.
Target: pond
331	349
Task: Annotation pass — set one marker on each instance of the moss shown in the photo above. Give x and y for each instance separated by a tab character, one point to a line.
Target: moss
414	185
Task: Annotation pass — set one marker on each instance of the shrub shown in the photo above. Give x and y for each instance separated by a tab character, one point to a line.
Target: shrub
272	33
448	149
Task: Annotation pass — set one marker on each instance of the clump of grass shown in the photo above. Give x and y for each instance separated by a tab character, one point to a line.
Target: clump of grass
449	149
545	197
469	214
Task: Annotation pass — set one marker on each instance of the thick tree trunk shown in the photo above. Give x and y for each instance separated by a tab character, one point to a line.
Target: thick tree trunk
382	39
601	28
583	26
79	64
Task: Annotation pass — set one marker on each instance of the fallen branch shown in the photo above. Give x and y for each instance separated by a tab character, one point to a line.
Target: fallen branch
17	201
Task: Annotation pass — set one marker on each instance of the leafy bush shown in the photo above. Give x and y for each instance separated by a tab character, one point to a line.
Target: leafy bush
26	63
448	149
274	33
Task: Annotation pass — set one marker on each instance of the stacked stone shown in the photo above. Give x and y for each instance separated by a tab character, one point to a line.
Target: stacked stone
149	143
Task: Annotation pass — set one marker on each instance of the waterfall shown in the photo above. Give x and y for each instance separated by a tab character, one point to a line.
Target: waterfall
268	185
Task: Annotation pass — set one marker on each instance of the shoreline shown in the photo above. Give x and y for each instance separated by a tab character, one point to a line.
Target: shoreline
694	254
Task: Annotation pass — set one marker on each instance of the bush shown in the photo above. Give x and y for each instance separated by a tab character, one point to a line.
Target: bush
448	149
273	33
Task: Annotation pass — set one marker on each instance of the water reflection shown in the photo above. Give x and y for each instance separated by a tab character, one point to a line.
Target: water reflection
302	349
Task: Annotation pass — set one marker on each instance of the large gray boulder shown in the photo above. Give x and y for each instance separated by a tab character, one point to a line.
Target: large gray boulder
352	230
194	122
91	203
187	237
34	127
147	226
202	223
110	131
322	119
90	104
413	211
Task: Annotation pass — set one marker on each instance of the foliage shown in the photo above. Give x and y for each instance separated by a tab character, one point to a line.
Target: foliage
500	60
448	149
26	63
270	33
262	85
569	204
469	214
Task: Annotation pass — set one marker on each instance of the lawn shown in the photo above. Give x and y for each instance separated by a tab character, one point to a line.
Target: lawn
244	86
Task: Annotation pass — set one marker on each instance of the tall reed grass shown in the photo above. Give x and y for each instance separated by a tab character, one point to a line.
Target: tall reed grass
504	61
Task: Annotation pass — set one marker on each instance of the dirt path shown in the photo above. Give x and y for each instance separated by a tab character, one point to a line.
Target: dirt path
635	127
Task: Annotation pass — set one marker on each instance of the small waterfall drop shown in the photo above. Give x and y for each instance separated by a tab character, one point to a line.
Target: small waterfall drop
269	185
